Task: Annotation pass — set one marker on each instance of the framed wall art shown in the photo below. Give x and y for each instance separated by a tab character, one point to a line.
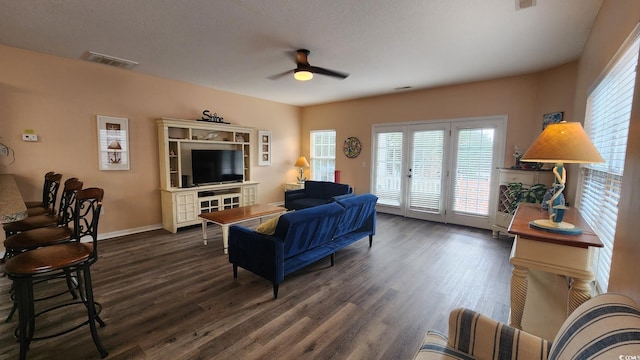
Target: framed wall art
113	143
352	147
264	148
551	118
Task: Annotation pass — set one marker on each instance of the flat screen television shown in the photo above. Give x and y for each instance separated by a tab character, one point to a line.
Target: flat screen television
216	166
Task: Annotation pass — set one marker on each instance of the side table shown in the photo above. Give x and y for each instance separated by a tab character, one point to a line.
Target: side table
293	186
562	254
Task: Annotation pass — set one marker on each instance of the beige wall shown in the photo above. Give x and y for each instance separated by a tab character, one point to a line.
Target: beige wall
524	99
614	23
60	98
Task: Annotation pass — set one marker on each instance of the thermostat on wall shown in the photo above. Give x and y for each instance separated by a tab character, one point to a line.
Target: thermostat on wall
29	137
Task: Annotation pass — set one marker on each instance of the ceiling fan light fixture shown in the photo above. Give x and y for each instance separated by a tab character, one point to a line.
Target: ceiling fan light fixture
302	75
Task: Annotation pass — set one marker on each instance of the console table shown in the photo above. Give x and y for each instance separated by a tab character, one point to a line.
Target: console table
562	254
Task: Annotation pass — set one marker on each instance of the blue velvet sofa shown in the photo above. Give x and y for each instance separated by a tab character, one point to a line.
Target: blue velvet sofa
315	193
302	237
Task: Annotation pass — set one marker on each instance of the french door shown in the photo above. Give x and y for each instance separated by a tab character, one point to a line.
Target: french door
439	171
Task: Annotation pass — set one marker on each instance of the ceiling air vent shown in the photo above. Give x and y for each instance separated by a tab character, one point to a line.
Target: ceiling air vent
108	60
523	4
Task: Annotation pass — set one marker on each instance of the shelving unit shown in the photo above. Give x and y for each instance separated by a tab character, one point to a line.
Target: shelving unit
181	203
505	209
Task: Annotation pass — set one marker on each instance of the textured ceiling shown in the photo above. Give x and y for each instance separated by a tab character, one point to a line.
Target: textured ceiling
236	45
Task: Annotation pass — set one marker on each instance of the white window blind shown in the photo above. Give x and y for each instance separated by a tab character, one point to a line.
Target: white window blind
426	170
323	155
607	124
473	171
388	172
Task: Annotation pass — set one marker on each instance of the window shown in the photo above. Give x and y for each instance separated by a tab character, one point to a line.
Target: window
323	155
607	124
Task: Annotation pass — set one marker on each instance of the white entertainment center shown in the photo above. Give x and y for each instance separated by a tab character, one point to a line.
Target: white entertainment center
181	201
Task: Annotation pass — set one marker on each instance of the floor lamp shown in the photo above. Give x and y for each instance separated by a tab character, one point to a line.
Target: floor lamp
560	143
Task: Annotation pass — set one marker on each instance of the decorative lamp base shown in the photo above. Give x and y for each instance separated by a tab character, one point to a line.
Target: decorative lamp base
554	227
301	178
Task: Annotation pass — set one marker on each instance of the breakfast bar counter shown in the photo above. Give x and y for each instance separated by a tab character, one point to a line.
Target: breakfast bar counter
12	207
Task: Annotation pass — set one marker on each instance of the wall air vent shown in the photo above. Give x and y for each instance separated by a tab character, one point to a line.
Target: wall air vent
108	60
523	4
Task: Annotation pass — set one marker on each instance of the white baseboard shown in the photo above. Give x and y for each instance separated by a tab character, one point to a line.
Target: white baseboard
129	231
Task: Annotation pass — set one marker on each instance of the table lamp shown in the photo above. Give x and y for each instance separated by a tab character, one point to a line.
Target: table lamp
560	143
301	163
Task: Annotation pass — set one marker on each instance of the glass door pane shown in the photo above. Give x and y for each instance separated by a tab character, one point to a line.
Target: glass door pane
477	150
427	186
388	172
426	171
474	165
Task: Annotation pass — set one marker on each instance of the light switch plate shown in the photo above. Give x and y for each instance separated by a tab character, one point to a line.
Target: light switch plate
29	137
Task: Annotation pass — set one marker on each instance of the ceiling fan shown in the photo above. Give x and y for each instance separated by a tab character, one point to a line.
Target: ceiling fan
304	71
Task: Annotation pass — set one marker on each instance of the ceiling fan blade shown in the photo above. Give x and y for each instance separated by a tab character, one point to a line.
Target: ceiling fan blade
280	75
323	71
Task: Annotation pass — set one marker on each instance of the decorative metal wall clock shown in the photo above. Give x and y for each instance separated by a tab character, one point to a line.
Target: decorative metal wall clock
352	147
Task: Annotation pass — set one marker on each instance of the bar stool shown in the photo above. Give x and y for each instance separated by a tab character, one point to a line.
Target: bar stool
60	218
38	231
74	256
49	196
45	189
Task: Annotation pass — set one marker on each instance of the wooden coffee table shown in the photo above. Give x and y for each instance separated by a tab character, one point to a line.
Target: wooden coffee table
226	218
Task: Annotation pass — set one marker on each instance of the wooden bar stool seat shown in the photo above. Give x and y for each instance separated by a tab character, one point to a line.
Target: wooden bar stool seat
39	210
48	259
31	222
36	238
74	256
32	204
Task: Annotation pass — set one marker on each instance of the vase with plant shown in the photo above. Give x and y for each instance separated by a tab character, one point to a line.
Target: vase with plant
517	154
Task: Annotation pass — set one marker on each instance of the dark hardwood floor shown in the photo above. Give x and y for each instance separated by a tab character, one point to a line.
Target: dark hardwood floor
168	296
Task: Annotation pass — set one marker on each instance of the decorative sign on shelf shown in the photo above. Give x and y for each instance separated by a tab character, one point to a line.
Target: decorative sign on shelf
207	116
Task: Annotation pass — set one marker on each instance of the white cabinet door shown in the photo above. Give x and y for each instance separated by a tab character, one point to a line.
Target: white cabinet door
249	195
186	206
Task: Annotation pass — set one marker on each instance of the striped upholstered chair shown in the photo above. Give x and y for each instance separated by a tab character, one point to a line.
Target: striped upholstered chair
605	327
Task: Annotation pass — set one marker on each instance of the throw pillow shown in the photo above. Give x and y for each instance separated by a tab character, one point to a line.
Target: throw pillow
268	227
